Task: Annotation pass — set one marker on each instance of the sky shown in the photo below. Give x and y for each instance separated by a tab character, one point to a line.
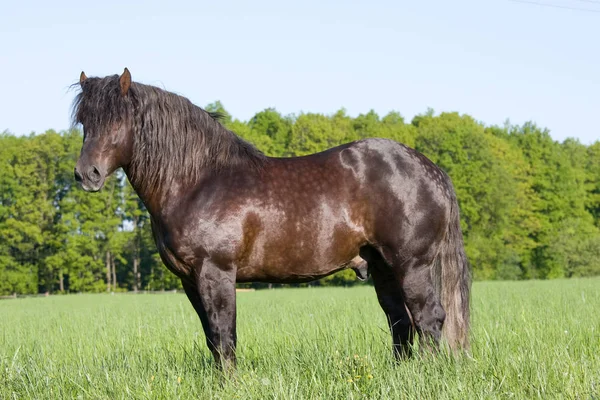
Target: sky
495	60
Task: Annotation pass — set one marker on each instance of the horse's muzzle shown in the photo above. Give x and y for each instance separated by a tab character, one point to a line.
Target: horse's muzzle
91	180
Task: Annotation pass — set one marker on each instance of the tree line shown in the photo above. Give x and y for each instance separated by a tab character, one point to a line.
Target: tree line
530	206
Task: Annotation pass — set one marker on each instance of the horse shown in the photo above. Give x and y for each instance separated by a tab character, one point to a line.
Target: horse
223	212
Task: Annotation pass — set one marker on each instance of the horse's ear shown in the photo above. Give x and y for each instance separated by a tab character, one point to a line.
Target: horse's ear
125	82
82	78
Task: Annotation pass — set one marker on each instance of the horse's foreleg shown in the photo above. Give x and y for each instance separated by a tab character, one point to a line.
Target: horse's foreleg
213	297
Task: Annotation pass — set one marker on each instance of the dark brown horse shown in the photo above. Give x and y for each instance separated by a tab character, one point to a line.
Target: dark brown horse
222	212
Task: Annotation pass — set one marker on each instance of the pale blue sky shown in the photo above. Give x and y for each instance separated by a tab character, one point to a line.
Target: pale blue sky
492	59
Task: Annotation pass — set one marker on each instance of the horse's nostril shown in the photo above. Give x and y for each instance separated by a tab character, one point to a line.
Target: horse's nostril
78	177
94	174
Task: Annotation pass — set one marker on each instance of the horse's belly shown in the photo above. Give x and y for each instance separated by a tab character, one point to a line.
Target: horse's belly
296	263
283	274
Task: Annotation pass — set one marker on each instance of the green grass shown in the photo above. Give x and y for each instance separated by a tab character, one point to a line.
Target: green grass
530	340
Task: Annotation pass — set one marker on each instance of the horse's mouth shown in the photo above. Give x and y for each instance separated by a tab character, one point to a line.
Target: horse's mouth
92	188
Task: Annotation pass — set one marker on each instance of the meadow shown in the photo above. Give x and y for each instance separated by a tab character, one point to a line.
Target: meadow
530	339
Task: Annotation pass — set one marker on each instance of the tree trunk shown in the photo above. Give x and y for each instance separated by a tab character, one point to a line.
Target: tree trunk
107	263
61	281
136	273
114	273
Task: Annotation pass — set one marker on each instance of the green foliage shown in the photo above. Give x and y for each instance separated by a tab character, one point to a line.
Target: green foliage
271	132
592	181
530	206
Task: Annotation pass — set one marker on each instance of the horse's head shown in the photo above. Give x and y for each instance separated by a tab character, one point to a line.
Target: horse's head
105	109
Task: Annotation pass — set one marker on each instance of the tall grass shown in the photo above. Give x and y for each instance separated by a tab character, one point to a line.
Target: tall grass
529	340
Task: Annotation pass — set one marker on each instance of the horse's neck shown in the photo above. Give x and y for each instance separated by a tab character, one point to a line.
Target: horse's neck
162	197
154	197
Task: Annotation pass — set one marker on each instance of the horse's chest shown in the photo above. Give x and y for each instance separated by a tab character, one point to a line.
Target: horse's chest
172	260
171	253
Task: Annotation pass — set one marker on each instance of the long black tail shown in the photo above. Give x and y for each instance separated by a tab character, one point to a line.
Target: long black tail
453	279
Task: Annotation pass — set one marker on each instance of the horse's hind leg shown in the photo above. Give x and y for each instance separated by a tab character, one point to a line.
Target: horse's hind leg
422	300
391	300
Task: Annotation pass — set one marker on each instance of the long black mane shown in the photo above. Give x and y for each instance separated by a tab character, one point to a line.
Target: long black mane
173	138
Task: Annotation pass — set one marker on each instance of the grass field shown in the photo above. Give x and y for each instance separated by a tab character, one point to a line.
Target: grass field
530	340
